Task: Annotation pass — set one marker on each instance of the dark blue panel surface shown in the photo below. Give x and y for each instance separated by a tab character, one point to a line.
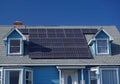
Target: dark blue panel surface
58	43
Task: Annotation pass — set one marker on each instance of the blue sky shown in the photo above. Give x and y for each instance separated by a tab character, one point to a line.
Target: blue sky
60	12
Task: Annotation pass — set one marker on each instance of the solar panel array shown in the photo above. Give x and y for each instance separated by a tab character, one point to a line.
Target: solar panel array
58	43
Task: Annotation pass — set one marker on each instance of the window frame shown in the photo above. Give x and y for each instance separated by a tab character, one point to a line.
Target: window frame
96	69
21	74
31	75
117	73
20	52
107	40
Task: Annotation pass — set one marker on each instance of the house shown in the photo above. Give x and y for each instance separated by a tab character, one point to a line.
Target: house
59	54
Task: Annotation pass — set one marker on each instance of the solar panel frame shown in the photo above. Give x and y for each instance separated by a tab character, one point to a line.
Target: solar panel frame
55	47
89	31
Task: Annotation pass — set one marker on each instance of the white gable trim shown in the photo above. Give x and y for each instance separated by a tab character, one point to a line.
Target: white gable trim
111	38
5	37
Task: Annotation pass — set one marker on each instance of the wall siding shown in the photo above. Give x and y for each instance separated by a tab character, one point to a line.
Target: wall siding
79	76
86	76
14	34
102	35
45	75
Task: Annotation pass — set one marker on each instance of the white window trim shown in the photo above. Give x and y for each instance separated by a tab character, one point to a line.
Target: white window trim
9	46
97	72
21	74
31	75
107	47
117	71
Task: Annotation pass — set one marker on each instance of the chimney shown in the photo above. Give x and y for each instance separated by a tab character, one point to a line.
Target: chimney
17	23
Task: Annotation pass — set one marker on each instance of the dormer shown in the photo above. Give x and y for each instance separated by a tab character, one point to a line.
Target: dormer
14	42
101	43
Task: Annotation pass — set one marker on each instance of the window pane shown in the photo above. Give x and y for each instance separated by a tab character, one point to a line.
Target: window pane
102	46
110	75
15	46
28	77
93	77
28	82
14	77
102	43
14	49
93	82
14	42
102	49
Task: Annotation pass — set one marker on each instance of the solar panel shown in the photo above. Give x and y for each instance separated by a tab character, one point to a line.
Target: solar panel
58	43
24	31
89	31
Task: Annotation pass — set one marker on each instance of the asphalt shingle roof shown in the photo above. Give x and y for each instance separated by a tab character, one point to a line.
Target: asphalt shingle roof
98	60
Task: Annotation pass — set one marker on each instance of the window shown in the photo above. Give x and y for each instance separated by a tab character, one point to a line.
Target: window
109	76
28	77
14	46
102	46
13	76
93	77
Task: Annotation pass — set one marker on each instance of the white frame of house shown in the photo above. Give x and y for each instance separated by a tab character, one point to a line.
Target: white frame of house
31	75
117	71
97	72
21	74
108	51
9	46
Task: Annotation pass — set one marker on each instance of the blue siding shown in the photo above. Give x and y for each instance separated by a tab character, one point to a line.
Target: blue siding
102	35
45	75
79	76
14	34
110	51
86	76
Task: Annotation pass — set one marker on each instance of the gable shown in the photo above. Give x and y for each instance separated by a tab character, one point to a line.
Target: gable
14	34
102	35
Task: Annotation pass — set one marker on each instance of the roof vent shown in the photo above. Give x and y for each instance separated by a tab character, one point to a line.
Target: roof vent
17	23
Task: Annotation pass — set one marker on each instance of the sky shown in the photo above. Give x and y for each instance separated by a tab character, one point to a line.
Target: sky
60	12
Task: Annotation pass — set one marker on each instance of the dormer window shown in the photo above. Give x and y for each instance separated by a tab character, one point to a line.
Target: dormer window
102	46
101	43
14	46
14	42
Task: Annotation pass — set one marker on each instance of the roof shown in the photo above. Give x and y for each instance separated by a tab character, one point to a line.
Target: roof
98	60
14	29
56	43
93	38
